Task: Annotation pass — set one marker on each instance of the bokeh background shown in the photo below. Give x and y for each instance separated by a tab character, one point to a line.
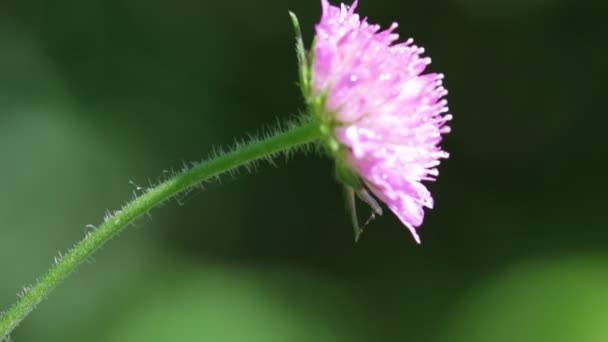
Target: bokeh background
99	97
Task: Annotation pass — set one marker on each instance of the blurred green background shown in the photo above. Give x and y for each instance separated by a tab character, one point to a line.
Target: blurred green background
98	97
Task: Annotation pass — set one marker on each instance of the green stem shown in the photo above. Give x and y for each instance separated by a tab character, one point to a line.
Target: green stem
281	142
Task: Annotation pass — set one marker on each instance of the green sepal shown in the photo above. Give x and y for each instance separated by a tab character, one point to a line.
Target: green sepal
347	177
303	62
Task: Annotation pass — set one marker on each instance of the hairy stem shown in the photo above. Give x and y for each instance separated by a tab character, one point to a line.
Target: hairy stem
30	298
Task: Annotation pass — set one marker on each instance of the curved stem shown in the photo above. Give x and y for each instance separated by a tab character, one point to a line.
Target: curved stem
304	134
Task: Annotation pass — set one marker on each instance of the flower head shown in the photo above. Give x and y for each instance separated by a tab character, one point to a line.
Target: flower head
384	117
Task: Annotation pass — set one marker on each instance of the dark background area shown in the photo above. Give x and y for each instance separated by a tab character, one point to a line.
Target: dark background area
96	96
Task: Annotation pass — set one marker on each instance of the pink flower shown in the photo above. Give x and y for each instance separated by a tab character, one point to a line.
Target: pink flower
385	114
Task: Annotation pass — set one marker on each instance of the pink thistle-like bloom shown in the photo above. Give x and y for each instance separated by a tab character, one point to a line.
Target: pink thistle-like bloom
386	115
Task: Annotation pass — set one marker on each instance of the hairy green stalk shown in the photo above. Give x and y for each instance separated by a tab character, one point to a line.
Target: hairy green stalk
267	148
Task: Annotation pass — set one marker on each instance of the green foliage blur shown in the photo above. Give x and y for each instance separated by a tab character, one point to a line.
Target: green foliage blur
100	97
